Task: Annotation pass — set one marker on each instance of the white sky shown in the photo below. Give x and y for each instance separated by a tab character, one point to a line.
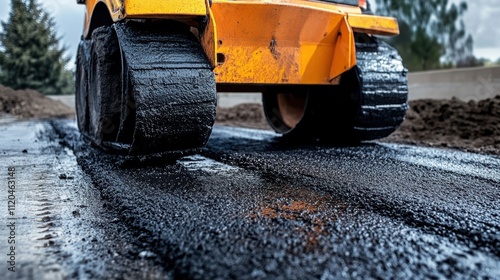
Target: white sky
481	21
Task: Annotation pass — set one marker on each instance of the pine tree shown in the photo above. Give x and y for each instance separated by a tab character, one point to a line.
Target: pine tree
30	53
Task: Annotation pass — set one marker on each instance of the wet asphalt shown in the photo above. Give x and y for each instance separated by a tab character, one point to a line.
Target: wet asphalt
247	206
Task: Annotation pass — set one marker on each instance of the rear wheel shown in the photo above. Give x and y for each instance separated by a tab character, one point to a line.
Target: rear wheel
369	103
285	108
324	113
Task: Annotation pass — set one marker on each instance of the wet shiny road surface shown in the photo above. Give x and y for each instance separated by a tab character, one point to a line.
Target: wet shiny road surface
249	206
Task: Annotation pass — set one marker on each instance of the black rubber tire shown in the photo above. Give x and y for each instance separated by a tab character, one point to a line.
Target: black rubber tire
370	102
169	91
82	85
104	85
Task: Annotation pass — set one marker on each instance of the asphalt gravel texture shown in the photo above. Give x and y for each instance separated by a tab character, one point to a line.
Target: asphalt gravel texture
251	206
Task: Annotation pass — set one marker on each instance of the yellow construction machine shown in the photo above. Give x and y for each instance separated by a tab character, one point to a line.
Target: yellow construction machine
148	71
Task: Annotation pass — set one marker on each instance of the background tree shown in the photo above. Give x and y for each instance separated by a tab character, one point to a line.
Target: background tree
30	53
432	33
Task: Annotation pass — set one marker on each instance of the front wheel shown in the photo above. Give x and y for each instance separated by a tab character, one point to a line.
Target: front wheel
82	85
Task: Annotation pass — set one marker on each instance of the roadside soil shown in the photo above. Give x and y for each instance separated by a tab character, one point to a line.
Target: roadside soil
30	104
470	126
249	115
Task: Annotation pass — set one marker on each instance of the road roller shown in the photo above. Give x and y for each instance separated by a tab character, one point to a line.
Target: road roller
148	71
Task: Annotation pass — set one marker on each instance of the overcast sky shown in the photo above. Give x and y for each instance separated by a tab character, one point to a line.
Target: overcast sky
481	21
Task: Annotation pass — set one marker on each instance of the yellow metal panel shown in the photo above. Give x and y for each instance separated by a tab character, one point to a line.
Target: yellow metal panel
344	56
163	8
266	41
325	6
208	38
386	26
279	42
171	9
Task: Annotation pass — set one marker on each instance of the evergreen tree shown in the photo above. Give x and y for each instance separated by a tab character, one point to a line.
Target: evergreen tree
432	32
30	54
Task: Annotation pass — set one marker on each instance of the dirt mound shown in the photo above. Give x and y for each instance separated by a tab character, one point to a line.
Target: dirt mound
473	126
31	104
248	115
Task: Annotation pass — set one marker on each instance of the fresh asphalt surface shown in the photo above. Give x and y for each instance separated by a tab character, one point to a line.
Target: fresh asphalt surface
248	206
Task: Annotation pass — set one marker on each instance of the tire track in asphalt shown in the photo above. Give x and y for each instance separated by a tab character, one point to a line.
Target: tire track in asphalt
298	212
445	192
